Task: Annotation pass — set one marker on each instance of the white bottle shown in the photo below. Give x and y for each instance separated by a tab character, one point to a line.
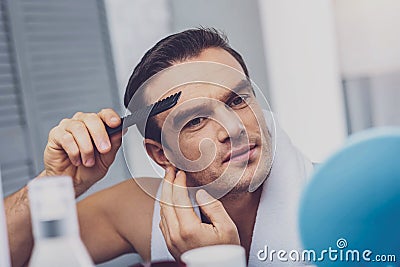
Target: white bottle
55	224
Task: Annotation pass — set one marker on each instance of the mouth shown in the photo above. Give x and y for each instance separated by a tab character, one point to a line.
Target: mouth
240	154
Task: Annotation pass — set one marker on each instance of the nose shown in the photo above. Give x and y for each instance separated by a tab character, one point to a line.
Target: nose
231	126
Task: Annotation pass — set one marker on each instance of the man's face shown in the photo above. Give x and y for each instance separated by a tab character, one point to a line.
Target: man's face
217	132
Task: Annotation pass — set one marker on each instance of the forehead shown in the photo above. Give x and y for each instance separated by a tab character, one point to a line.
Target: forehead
210	73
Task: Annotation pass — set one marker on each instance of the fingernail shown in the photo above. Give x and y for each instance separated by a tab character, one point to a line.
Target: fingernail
90	162
114	119
104	145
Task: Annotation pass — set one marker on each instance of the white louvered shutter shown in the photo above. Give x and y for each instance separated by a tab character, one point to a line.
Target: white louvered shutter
55	60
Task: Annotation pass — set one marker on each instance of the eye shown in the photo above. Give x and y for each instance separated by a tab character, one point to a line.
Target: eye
195	122
239	101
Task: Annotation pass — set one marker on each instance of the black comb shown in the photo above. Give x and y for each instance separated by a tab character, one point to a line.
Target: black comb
145	113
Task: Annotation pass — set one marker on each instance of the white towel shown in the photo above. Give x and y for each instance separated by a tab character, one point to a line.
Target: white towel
277	215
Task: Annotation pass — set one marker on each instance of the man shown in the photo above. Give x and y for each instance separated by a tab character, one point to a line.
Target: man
230	126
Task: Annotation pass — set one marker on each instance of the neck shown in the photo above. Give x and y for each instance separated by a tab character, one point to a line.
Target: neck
242	208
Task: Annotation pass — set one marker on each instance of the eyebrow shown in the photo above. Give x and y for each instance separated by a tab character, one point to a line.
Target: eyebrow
183	114
243	84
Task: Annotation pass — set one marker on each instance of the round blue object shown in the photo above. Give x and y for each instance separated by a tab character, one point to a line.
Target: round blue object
350	210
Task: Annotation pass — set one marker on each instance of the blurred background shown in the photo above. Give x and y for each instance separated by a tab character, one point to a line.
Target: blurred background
329	68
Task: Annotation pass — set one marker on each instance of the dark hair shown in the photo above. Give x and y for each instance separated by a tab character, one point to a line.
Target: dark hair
172	49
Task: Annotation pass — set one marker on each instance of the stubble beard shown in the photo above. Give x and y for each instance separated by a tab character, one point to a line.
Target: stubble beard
235	180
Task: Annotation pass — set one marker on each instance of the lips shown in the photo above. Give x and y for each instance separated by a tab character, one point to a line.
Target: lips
239	153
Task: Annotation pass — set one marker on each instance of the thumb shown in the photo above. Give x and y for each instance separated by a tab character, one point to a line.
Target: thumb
116	140
212	208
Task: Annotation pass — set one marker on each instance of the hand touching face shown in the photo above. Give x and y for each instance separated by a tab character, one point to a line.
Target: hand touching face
182	228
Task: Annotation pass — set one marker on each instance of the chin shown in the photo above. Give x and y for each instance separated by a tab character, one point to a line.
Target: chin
234	179
233	182
253	176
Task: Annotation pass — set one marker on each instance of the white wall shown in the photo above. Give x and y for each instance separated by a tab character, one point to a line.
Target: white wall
303	73
135	26
239	19
369	52
369	36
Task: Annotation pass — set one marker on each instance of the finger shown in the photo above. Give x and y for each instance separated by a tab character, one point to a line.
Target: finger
166	202
213	209
97	131
183	206
76	116
82	139
109	158
110	117
116	139
163	226
166	192
71	148
164	230
66	141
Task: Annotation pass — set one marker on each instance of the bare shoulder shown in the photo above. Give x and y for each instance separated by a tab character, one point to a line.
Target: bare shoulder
129	206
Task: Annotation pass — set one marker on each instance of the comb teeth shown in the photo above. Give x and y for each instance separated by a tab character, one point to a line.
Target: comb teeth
165	104
145	113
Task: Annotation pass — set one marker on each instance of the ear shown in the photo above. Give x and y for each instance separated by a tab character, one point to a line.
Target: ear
155	150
